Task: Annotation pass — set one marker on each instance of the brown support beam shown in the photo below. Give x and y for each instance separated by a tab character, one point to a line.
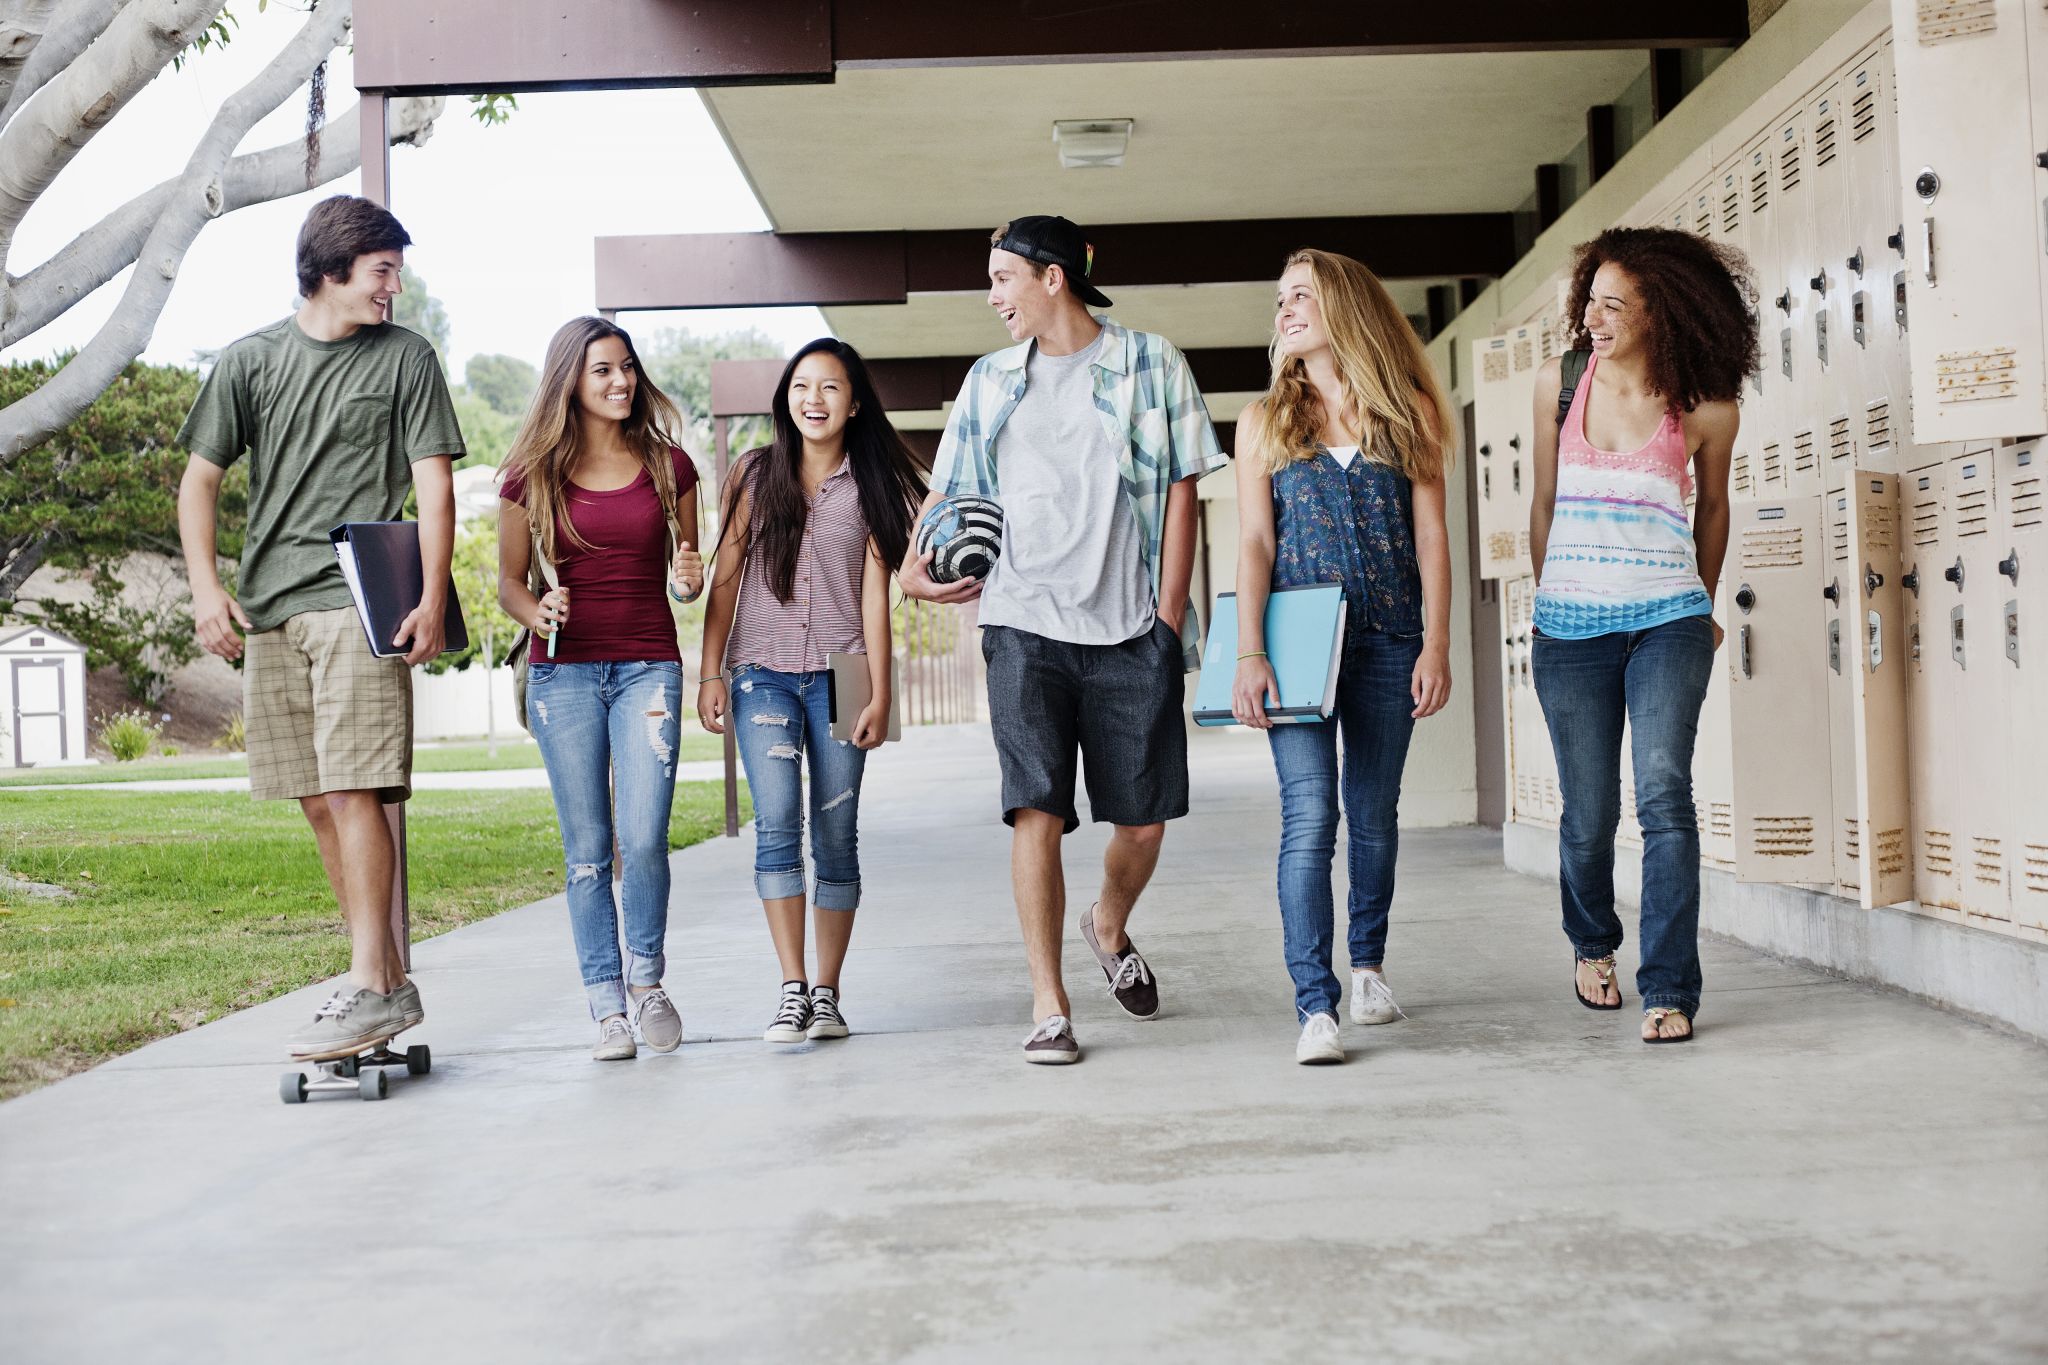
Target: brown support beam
792	269
1443	306
1667	82
373	114
1600	141
1549	194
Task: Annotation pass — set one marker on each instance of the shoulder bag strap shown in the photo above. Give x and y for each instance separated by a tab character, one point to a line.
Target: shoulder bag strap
1570	371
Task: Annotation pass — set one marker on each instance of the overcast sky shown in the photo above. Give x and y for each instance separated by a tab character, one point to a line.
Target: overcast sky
501	218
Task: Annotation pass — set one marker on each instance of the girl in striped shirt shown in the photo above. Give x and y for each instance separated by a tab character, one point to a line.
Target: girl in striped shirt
812	525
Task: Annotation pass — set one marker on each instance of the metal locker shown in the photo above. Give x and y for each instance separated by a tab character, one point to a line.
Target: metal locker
1974	597
1837	591
1764	404
1788	313
1972	204
1778	696
1518	460
1873	267
1830	350
2023	584
1731	225
1713	770
1933	724
1491	394
1882	803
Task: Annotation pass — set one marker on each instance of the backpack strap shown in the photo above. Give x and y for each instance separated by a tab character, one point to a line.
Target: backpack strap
1571	369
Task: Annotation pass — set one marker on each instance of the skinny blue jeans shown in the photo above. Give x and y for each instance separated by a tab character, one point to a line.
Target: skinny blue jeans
1374	713
783	724
607	733
1656	679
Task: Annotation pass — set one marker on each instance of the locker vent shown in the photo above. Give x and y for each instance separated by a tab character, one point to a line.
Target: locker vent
1522	544
1740	477
1549	342
1973	511
1525	354
1941	20
1863	114
1500	547
1987	860
1824	142
1721	825
2026	502
1553	801
1775	546
1802	453
1703	216
2034	867
1877	425
1494	369
1926	521
1774	463
1976	376
1788	167
1781	836
1731	207
1852	839
1891	852
1759	183
1937	853
1840	444
1838	530
1881	531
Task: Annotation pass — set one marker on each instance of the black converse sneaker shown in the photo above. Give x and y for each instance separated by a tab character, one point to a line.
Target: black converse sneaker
793	1017
826	1020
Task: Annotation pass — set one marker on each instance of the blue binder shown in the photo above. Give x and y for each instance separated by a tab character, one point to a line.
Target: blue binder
1304	643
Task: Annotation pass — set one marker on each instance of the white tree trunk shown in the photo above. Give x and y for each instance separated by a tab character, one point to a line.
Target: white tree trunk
197	199
63	37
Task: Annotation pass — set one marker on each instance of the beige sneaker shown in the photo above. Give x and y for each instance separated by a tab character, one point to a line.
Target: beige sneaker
614	1040
661	1028
352	1019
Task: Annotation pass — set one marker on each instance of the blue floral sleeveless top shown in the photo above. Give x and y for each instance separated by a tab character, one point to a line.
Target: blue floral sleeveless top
1353	526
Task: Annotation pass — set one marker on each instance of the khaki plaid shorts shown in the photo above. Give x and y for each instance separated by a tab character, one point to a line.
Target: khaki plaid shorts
323	713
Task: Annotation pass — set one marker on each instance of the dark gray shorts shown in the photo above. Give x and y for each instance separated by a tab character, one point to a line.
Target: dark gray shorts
1118	706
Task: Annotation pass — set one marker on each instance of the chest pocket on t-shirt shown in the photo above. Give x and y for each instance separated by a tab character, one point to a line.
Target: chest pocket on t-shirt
366	422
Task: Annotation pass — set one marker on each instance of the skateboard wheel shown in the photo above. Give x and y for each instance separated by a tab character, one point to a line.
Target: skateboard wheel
419	1059
291	1087
370	1085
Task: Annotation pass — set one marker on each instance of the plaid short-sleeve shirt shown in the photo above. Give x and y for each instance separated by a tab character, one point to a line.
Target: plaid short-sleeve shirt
1148	401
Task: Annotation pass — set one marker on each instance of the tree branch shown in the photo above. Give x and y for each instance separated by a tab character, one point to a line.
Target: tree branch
22	24
64	36
196	201
110	246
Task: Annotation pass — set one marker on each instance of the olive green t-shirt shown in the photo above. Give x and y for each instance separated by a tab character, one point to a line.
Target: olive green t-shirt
332	429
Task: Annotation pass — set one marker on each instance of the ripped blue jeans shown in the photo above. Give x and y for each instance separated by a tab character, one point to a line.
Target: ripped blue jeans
780	721
607	733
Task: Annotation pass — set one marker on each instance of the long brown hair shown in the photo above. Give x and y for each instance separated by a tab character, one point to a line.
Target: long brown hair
1382	370
544	453
1699	309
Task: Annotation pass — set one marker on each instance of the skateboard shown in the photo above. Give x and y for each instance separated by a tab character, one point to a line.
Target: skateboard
361	1071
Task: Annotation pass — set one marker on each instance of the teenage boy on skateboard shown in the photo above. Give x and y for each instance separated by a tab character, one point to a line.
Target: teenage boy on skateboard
1098	434
340	413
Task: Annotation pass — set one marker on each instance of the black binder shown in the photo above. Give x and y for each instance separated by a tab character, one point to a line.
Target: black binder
381	561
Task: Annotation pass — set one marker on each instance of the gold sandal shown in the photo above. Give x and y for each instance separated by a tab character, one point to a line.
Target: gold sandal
1603	967
1657	1014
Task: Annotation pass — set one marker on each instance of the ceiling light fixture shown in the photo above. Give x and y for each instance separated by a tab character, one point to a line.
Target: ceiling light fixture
1092	141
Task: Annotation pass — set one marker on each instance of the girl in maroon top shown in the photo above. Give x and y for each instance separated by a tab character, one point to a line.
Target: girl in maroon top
597	489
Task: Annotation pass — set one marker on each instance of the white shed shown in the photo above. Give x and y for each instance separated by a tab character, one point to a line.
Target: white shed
42	698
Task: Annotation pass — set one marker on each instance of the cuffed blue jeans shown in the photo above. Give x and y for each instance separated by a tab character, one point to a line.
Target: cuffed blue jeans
1374	712
1656	679
783	723
607	733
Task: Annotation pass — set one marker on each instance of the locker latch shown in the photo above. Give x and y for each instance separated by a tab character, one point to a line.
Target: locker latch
1955	638
1910	580
1784	302
1515	471
2012	632
1855	263
1833	591
1954	574
1835	645
1872	580
1819	284
1742	650
2010	567
1897	240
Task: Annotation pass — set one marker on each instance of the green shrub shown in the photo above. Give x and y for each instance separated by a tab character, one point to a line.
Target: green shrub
128	735
233	737
169	750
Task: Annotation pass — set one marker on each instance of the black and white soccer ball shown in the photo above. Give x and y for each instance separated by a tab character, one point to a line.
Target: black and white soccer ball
965	537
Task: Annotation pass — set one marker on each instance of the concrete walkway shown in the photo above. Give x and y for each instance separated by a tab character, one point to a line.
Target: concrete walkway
1827	1174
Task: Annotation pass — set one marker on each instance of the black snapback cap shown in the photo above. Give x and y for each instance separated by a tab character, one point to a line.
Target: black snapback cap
1052	240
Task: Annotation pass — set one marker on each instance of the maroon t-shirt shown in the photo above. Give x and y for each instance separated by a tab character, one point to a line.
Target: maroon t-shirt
618	598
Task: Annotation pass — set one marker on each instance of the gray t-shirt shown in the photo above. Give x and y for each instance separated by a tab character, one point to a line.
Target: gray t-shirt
331	429
1071	568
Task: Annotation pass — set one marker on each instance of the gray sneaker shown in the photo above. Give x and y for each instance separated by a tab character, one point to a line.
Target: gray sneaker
352	1019
1052	1043
614	1040
407	998
661	1028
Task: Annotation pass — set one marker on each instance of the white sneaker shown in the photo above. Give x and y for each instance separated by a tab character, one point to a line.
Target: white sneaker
1372	1002
614	1040
1319	1045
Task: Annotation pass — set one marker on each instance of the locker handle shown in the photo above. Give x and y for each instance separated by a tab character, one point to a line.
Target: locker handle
1745	598
1514	443
1819	284
1897	240
1872	581
1742	650
1833	591
1784	301
1927	248
2010	567
1954	573
1855	263
1910	580
1486	448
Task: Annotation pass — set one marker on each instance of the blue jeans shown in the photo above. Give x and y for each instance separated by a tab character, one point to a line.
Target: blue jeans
607	733
780	720
1374	713
1657	680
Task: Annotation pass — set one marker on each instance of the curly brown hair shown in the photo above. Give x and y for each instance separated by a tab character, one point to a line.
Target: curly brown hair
1699	306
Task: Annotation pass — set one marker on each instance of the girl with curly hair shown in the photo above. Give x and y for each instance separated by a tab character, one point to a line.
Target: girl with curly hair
1665	332
1340	478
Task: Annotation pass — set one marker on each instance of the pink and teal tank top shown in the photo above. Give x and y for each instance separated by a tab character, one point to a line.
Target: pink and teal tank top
1621	552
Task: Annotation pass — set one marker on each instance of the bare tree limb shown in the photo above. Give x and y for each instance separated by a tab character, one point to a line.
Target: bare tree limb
110	246
65	35
22	24
197	200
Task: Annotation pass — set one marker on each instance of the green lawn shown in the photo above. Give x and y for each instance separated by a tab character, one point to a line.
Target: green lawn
694	746
189	905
